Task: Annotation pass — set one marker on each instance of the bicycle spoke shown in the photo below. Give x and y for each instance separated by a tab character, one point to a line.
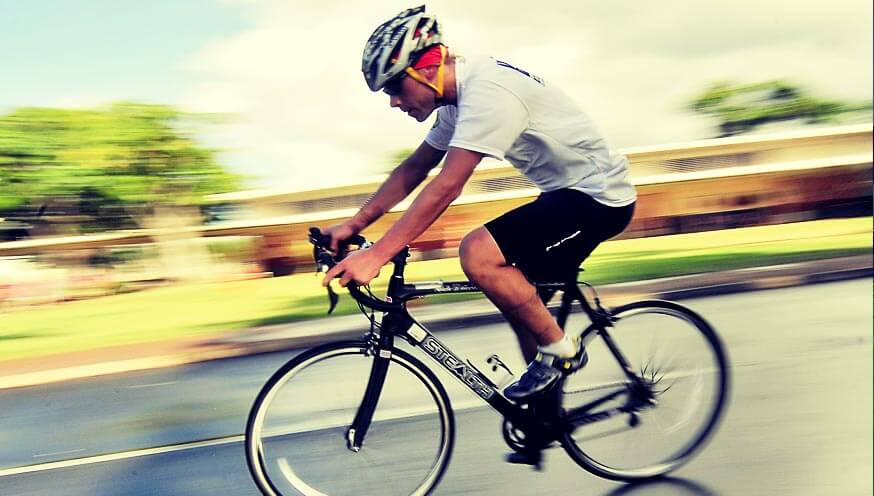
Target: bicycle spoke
297	428
583	410
674	384
600	435
588	389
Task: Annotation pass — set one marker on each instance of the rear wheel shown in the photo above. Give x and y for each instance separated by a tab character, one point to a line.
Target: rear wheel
650	419
296	436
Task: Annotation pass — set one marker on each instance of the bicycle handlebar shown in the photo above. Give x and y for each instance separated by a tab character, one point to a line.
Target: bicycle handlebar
324	258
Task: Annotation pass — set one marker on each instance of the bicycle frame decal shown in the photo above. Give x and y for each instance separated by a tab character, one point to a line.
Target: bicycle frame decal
456	366
457	287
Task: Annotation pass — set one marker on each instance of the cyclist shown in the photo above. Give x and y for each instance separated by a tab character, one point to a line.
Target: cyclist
489	108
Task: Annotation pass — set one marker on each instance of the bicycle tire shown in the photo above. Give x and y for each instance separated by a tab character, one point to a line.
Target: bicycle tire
275	479
600	461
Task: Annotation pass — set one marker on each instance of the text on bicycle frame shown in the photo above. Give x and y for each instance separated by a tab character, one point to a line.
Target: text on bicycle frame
451	362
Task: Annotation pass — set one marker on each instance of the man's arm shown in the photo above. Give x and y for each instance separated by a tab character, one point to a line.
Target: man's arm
400	183
362	266
431	202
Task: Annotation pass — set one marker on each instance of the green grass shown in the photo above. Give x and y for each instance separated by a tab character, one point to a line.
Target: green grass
208	309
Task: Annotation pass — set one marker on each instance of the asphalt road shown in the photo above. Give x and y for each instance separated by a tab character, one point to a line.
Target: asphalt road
799	422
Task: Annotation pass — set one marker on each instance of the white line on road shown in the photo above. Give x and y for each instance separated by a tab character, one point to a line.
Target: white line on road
68	452
152	385
42	467
467	404
77	462
91	370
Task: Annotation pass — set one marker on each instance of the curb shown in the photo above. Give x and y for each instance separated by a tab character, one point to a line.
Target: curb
765	283
447	317
486	313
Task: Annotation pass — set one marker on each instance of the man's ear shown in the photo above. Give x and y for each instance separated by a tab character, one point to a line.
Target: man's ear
430	73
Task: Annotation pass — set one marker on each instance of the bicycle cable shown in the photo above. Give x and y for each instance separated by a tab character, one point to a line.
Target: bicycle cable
595	297
371	317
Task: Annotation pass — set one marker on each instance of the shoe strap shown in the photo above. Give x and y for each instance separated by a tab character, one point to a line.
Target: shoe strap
555	361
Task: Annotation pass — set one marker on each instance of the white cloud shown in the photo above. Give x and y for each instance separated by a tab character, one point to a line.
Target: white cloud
293	79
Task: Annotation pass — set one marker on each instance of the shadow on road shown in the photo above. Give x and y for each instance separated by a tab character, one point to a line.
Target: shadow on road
667	486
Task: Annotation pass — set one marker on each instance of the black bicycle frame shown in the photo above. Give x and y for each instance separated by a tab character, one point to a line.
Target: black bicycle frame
399	322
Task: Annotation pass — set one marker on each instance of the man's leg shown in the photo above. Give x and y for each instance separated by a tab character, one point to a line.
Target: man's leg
527	343
484	263
510	291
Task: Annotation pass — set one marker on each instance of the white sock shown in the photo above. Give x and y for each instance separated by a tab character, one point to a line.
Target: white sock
564	348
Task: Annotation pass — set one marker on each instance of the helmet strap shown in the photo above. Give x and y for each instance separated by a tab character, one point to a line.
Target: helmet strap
441	69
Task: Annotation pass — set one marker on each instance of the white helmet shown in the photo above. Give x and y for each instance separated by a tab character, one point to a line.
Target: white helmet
394	45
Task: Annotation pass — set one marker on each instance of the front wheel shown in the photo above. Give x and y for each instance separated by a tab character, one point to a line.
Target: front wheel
296	435
651	395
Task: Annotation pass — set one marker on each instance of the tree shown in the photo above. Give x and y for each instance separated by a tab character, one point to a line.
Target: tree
112	166
741	108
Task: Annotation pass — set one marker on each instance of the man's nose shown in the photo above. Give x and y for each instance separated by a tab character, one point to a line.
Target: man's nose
394	101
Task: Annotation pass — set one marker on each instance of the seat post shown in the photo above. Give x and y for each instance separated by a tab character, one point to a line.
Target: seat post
567	299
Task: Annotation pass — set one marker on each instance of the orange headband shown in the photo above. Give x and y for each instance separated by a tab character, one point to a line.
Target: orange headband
434	56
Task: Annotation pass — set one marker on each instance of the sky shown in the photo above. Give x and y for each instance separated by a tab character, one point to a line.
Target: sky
287	72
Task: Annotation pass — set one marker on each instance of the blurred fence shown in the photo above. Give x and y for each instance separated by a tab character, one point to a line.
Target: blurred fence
687	187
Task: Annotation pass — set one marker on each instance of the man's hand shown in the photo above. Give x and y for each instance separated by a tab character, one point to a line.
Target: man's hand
339	232
360	266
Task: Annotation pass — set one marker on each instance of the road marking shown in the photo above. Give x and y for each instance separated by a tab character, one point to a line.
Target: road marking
89	460
467	404
91	370
68	452
126	455
152	385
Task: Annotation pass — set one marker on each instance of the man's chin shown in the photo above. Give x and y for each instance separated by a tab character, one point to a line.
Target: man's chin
422	117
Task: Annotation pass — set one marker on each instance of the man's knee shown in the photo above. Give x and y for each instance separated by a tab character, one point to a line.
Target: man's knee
478	251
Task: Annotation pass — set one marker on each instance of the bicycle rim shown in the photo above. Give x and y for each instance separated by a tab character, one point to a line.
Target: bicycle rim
296	434
683	366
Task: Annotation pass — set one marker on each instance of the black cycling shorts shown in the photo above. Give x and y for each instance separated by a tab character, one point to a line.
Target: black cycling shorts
549	238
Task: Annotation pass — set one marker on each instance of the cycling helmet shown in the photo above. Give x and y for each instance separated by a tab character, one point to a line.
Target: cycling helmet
394	46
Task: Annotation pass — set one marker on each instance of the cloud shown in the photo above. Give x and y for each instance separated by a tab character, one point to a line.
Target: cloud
303	109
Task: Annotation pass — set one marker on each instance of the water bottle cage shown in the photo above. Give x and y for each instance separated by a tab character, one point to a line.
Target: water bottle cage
496	362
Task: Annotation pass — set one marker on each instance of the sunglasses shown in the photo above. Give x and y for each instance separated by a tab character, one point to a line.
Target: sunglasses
393	87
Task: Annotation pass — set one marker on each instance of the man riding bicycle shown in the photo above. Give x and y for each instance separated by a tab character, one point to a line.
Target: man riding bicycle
490	108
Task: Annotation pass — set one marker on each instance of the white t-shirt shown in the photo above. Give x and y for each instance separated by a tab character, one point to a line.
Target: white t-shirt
507	113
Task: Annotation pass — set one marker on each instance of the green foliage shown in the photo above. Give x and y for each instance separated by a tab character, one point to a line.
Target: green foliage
192	310
395	159
124	158
742	108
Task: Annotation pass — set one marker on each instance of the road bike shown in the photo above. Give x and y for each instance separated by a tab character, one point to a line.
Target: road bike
366	417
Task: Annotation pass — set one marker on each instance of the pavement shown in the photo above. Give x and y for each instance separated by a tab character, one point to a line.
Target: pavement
438	318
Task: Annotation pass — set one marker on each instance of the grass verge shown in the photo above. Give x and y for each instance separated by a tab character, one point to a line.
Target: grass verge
201	309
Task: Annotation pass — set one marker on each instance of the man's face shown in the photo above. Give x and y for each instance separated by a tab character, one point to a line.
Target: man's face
413	97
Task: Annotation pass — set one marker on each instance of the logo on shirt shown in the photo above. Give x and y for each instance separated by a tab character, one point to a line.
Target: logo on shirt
508	66
436	121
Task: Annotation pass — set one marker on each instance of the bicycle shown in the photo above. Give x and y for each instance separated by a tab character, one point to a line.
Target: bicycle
294	446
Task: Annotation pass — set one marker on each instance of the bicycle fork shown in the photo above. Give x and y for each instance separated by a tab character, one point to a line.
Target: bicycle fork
382	350
364	416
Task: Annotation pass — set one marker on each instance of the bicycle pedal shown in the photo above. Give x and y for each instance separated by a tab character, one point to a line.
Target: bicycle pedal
534	459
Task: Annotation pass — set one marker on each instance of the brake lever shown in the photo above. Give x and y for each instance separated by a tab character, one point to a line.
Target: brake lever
319	241
332	299
321	268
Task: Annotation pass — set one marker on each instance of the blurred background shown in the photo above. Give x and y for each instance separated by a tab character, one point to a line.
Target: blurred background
161	162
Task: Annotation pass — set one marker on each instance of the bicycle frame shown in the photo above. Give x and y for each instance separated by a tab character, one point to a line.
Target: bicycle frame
529	426
398	322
